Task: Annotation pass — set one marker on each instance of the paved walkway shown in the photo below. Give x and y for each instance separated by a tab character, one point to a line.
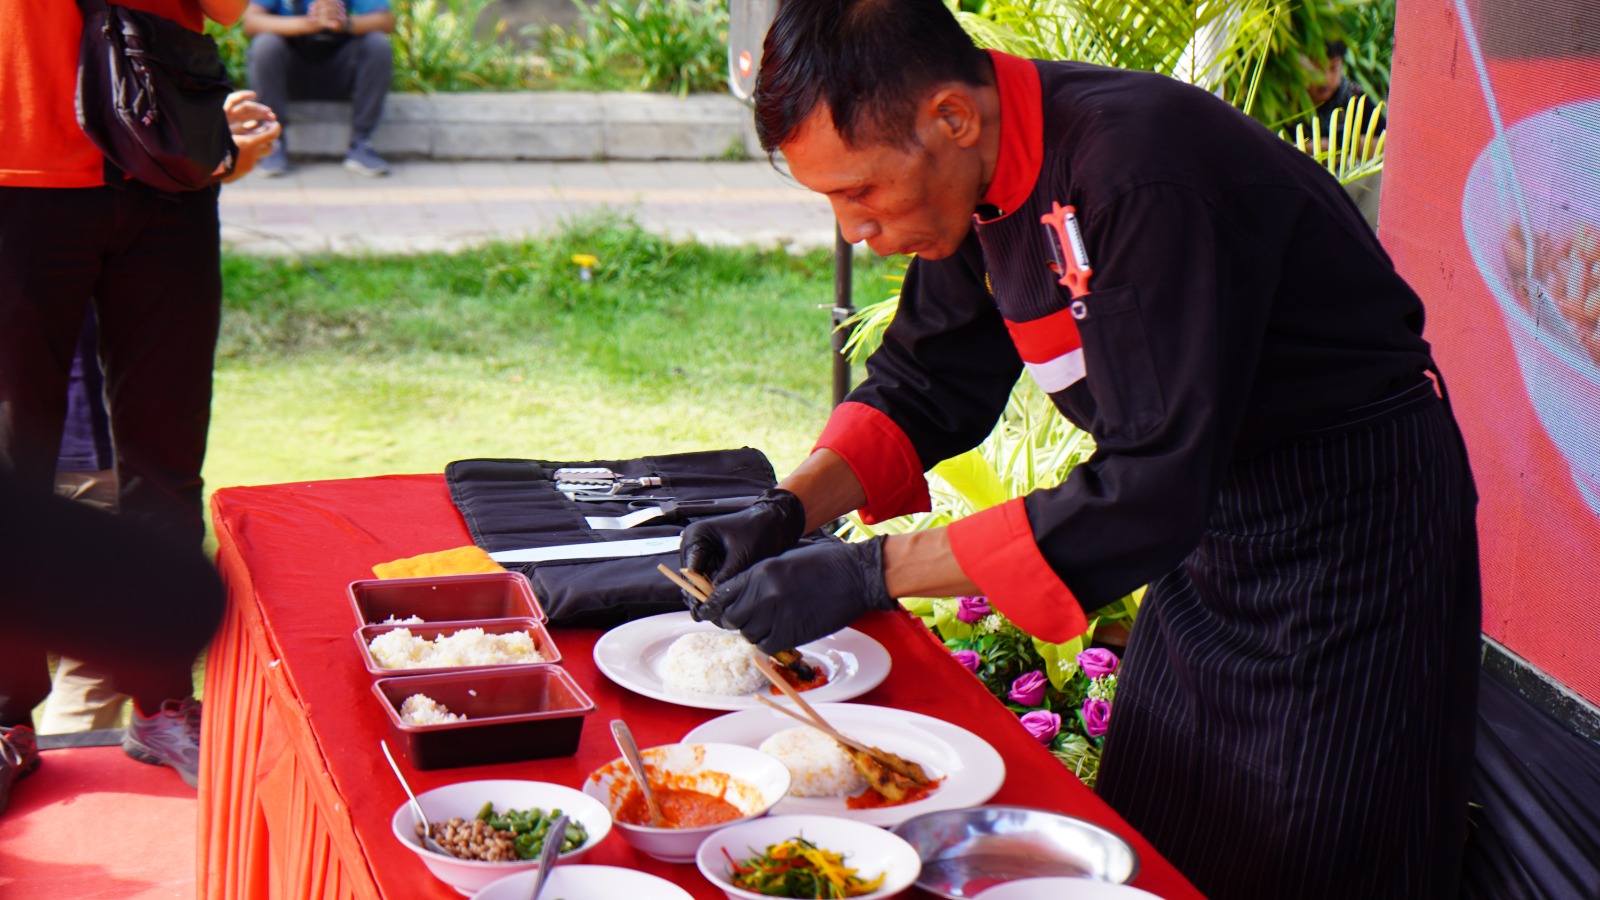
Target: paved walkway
428	205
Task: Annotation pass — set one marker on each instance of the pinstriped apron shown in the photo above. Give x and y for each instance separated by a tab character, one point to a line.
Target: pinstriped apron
1295	712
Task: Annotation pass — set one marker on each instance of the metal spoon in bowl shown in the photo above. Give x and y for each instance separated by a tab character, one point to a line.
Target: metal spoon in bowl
553	839
630	752
416	808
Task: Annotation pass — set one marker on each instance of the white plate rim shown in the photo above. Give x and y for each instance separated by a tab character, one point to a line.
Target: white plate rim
666	889
982	772
620	655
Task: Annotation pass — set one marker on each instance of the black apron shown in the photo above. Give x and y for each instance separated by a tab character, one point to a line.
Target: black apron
1313	663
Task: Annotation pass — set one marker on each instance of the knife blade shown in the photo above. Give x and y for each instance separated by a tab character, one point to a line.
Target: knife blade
589	550
681	509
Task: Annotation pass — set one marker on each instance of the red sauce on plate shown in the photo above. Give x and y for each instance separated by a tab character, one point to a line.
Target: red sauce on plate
680	808
871	799
820	678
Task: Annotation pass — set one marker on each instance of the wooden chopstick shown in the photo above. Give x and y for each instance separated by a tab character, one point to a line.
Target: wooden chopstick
779	682
823	727
700	581
688	586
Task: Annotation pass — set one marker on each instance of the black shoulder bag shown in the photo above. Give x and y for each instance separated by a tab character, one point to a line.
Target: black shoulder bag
150	95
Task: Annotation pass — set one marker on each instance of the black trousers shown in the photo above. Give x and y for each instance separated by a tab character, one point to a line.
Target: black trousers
1295	714
358	70
150	264
134	603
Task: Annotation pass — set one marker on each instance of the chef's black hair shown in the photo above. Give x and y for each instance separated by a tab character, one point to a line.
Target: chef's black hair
870	61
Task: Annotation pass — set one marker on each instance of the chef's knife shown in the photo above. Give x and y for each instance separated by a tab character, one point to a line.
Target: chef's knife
590	550
682	509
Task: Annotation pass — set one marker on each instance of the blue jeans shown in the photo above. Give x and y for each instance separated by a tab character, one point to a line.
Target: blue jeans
358	71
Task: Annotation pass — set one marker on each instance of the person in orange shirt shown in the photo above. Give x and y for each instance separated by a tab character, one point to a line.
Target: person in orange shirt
73	234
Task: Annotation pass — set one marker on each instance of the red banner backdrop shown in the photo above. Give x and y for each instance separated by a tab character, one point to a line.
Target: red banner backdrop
1491	208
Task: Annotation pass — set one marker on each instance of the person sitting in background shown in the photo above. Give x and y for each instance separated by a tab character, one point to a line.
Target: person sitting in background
323	50
1332	94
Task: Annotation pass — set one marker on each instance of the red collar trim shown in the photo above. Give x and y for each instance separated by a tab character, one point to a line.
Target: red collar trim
1021	133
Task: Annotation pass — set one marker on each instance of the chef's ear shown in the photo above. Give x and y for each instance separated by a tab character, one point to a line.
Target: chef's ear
953	111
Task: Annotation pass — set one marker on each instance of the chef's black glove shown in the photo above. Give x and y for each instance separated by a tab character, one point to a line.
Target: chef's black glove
802	595
721	547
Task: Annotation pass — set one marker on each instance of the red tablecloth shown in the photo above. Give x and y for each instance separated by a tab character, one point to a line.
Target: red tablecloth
295	796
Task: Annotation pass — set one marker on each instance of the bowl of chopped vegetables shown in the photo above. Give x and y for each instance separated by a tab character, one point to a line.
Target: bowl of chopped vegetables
496	828
807	856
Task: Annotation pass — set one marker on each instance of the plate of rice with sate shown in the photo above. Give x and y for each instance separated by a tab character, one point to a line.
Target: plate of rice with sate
672	657
955	768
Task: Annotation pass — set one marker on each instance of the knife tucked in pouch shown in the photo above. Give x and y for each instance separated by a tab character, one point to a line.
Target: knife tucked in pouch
590	550
670	511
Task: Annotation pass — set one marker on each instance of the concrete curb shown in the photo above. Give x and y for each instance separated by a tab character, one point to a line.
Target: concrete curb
536	126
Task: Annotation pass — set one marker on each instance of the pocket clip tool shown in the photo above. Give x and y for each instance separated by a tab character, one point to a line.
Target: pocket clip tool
1071	257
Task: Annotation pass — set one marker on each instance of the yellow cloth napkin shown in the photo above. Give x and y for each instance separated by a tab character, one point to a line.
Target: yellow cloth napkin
460	561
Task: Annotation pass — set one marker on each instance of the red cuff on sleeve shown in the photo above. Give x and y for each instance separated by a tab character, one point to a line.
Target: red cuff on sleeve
996	549
882	458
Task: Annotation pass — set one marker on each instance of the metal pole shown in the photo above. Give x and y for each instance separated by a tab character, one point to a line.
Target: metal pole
843	309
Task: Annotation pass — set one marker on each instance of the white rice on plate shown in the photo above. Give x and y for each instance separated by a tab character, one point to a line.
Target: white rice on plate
818	766
420	709
711	662
400	649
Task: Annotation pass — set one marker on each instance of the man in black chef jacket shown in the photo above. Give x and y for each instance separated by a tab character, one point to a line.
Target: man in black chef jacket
1295	711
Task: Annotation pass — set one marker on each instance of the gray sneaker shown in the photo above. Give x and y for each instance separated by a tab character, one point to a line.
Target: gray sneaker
275	163
171	737
363	160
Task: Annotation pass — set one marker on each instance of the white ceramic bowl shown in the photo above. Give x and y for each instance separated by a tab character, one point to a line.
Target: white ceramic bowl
1545	161
586	883
465	798
866	848
747	778
1058	888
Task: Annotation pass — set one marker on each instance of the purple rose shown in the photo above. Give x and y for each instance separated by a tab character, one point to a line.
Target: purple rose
972	609
1029	689
970	659
1096	717
1042	724
1097	661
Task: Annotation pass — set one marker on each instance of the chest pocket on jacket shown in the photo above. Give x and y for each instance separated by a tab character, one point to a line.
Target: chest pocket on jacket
1121	371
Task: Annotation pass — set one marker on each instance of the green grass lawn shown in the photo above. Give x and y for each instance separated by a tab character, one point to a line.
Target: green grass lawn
339	367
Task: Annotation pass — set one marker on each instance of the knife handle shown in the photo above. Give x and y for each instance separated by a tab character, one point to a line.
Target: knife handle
688	509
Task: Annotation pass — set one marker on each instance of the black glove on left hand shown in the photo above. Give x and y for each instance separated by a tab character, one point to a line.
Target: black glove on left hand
801	595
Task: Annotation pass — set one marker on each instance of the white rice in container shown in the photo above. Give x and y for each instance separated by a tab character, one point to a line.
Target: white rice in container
711	662
400	649
818	765
420	709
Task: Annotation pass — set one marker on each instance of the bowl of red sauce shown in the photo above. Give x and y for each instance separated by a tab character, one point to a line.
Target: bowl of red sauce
700	788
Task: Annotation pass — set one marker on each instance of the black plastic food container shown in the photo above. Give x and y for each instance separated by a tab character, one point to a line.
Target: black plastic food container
513	714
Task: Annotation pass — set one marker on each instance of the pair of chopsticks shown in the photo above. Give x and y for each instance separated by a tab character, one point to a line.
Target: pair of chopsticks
811	717
693	583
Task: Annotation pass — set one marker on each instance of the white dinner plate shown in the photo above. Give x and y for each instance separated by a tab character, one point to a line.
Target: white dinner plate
972	769
631	655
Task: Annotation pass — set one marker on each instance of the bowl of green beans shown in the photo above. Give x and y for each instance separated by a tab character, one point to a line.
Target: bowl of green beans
495	828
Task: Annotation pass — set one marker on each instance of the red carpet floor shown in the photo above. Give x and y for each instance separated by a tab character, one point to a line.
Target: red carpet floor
93	824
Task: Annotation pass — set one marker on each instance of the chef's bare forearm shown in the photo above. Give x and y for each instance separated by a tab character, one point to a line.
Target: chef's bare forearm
920	564
826	487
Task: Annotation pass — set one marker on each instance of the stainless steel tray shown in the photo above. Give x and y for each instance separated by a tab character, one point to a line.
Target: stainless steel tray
965	851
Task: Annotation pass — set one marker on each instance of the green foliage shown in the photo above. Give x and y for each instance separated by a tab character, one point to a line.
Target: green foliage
1358	151
675	46
438	47
1260	55
234	48
1006	653
339	367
